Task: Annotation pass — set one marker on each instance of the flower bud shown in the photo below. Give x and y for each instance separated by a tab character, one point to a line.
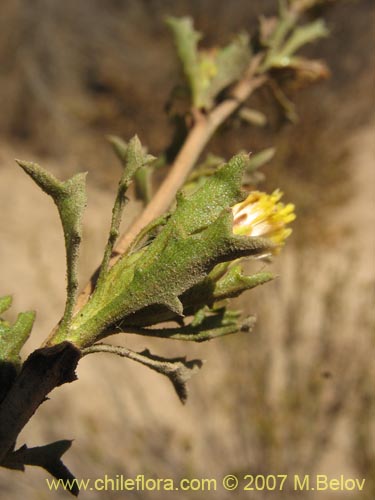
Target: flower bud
263	215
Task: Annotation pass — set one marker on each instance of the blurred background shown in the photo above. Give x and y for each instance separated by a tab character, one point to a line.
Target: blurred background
296	395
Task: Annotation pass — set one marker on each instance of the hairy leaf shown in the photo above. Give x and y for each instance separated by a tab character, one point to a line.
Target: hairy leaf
70	198
210	325
196	237
208	71
178	370
12	339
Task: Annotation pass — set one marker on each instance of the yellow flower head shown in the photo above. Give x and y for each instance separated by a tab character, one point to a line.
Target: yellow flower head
263	215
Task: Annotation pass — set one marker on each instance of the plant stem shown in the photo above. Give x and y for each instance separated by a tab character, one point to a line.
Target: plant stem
203	129
44	370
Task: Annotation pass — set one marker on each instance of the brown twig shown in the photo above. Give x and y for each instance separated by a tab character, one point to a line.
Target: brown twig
44	370
203	129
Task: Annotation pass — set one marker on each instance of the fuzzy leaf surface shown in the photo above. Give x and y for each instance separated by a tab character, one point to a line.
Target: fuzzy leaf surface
208	71
196	237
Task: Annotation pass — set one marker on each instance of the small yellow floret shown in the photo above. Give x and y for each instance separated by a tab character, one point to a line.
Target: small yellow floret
263	215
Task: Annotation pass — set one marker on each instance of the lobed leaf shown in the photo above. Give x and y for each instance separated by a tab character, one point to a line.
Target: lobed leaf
70	199
12	339
211	71
195	238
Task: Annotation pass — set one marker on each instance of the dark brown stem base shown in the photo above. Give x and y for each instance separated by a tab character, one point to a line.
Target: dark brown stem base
45	369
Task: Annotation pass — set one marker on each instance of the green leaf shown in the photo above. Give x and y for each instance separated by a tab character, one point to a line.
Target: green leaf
223	282
221	190
70	199
133	157
259	159
234	282
219	324
186	40
13	337
228	66
143	189
196	237
119	147
208	72
178	370
142	175
301	36
5	303
282	49
282	26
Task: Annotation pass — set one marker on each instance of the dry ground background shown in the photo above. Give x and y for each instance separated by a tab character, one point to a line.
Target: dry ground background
294	396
